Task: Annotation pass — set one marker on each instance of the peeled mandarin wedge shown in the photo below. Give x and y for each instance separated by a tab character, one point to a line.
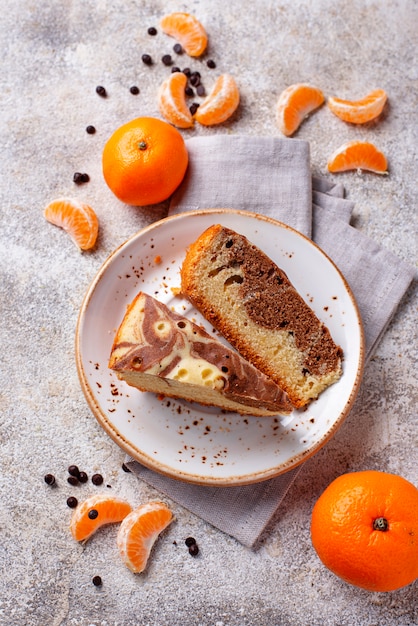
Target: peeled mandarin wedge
96	511
359	111
358	155
139	531
172	101
187	30
76	218
294	104
220	104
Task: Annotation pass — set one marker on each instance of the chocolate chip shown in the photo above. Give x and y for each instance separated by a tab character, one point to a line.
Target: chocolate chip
97	581
74	471
178	48
82	477
190	541
193	107
166	59
101	91
152	31
81	177
134	90
175	69
194	79
72	480
189	92
211	63
200	90
187	71
49	479
194	549
93	514
97	479
146	58
72	502
126	468
90	129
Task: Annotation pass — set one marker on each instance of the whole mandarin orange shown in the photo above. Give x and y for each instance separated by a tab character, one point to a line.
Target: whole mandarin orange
144	161
364	528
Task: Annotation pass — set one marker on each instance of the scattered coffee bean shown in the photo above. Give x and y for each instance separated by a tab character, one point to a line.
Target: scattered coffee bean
152	31
72	502
134	90
166	59
146	58
175	69
178	48
126	468
93	514
82	477
101	91
211	63
97	581
194	549
97	479
200	90
81	177
49	479
190	541
90	129
193	107
189	91
72	480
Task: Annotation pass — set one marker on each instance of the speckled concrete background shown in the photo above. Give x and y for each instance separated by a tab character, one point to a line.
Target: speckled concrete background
54	53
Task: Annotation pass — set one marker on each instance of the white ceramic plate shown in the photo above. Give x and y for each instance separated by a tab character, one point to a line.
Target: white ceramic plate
188	441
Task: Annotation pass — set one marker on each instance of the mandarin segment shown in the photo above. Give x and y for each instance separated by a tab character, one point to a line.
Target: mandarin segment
295	103
359	111
364	528
139	531
358	155
95	512
187	30
76	218
172	100
221	103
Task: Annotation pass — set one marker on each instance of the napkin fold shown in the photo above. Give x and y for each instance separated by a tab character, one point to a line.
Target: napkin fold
272	176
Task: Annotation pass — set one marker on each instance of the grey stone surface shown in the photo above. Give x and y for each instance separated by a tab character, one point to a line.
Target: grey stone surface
54	53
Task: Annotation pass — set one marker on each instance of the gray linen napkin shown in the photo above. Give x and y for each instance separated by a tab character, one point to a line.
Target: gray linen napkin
272	176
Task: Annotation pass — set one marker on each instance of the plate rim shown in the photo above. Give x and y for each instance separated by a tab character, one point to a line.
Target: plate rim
188	477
